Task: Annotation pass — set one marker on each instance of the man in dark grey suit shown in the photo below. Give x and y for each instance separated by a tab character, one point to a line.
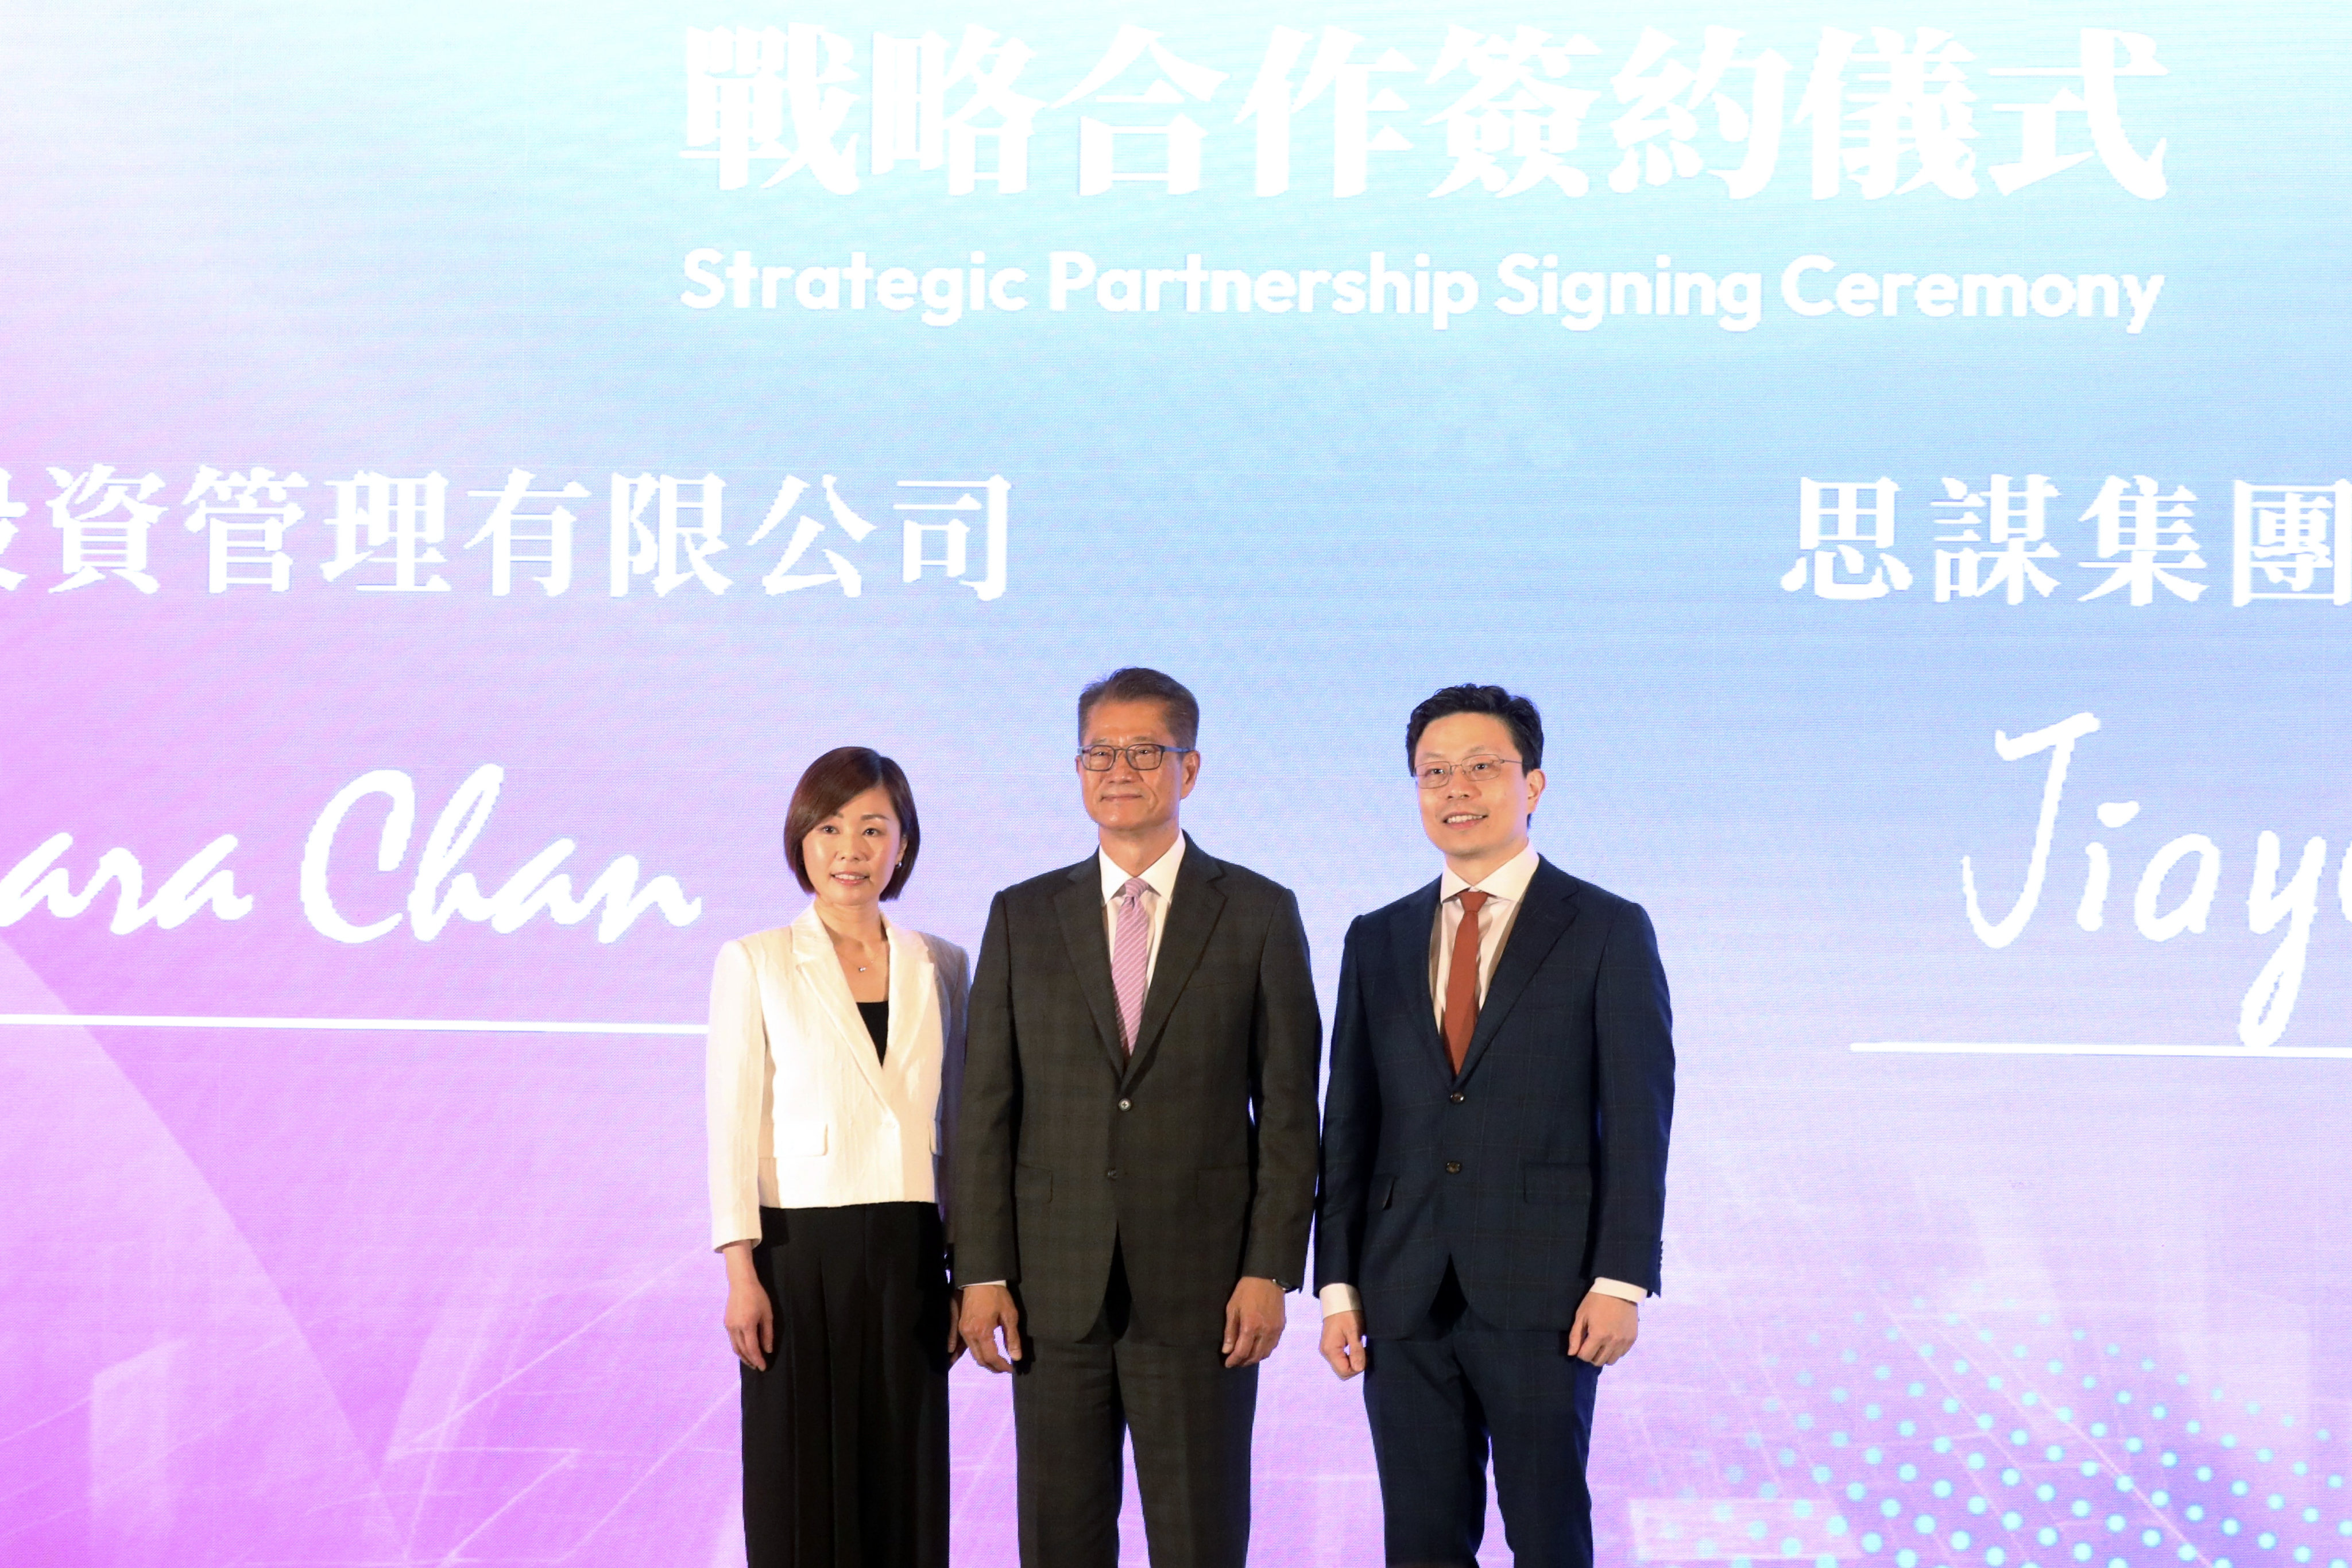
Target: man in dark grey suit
1494	1156
1135	1173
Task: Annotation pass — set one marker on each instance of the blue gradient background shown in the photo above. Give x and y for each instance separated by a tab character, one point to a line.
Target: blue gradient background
343	1298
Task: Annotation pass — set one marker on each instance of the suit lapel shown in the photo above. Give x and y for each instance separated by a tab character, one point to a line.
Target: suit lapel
1410	936
913	991
1191	916
1549	910
821	971
1080	905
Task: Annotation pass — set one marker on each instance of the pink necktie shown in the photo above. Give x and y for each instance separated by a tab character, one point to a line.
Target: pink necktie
1131	959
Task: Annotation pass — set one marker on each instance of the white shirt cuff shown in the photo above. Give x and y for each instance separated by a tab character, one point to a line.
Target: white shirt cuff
1340	1299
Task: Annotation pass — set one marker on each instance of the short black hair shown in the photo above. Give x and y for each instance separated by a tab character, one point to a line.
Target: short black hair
834	779
1136	684
1525	723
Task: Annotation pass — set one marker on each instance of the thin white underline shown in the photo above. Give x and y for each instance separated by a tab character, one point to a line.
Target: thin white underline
440	1026
2027	1047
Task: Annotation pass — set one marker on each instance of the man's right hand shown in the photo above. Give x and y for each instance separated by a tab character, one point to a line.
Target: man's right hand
986	1310
1343	1343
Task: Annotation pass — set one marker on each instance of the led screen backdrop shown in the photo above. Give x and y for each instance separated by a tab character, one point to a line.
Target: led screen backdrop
464	460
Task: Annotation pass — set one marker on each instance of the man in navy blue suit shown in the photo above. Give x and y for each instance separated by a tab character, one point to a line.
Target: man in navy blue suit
1494	1156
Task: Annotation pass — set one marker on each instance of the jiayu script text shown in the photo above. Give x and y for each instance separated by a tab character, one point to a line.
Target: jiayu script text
334	894
2269	1003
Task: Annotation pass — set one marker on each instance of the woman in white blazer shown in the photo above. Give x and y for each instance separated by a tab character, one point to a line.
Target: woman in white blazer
835	1044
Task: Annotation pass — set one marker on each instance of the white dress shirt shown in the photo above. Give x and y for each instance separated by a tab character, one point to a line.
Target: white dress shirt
1160	878
802	1114
1505	888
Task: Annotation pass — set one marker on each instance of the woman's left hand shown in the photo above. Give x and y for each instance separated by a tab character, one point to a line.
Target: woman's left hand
750	1316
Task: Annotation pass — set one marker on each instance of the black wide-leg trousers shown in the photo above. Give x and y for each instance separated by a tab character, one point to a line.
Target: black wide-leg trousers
846	1433
1440	1399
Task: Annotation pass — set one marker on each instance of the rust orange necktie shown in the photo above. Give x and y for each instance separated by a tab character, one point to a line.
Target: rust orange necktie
1461	979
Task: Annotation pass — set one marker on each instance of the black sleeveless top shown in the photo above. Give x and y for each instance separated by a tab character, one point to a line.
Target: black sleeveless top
877	1024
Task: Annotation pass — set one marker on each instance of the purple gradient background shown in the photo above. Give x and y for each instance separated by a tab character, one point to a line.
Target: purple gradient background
375	1298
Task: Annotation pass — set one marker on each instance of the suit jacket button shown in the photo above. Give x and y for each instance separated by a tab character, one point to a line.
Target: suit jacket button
1123	1105
1453	1167
1456	1097
1112	1174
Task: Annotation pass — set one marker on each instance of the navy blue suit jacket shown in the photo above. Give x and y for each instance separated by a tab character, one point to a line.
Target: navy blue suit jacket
1539	1166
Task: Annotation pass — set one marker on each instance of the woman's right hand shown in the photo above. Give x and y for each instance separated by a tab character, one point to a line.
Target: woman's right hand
750	1317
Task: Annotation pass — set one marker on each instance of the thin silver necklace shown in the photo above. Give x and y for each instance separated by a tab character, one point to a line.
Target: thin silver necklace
863	968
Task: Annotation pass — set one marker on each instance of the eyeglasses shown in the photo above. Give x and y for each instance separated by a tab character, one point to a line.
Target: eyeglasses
1143	758
1477	770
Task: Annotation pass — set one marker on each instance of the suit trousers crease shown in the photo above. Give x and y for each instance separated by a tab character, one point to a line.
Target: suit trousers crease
846	1433
1444	1396
1189	1417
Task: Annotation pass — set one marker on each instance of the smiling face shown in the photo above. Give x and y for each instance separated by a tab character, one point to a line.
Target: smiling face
1479	826
849	856
1126	801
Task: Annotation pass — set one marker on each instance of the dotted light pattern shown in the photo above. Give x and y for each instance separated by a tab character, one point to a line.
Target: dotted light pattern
1950	1441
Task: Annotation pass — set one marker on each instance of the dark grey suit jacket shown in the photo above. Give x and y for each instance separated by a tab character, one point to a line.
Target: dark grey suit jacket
1196	1157
1539	1166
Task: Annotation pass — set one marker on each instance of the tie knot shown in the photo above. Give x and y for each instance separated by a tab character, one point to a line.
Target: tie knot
1472	900
1134	888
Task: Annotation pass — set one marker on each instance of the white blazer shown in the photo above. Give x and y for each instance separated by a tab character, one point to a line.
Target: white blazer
802	1116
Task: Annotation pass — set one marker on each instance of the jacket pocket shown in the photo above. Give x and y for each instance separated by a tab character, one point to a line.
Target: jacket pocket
1558	1182
800	1140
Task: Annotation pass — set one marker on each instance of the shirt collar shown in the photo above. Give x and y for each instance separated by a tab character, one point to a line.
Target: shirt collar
1508	882
1161	873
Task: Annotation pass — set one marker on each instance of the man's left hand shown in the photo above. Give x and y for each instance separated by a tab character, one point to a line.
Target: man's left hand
1604	1330
1253	1319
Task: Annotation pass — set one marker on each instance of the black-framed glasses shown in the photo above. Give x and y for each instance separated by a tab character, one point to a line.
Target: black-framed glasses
1143	756
1477	770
